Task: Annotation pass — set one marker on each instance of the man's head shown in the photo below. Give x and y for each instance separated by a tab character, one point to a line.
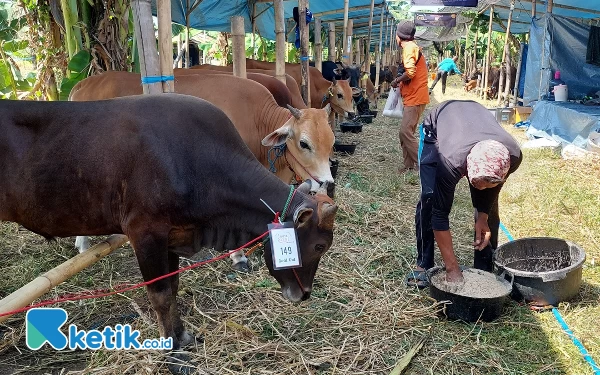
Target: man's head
488	163
405	31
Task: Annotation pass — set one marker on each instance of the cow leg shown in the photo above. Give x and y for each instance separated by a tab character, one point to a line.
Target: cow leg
184	337
239	261
82	243
153	259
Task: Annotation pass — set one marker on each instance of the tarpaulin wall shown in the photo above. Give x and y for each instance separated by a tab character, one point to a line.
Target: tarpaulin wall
559	43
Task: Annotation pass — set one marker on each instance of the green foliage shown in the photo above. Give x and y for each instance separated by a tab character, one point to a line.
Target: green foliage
76	71
11	48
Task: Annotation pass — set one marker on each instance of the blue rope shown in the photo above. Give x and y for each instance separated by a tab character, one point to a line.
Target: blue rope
577	343
305	58
156	79
277	151
564	325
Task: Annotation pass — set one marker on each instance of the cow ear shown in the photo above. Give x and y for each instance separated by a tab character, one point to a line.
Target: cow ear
302	216
278	137
305	186
327	213
334	81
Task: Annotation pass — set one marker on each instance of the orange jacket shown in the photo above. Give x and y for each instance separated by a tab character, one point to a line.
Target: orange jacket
415	91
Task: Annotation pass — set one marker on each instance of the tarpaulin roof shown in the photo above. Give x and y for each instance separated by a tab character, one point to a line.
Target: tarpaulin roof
521	18
215	15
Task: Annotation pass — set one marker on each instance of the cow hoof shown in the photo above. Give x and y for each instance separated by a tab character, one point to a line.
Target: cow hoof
181	364
242	266
188	340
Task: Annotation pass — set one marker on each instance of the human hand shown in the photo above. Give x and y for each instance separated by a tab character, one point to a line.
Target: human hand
395	83
482	232
454	275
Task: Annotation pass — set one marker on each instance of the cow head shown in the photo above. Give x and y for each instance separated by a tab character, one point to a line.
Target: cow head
309	140
313	221
340	97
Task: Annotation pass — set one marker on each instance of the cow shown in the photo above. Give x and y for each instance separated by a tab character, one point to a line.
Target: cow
169	171
333	70
299	141
292	86
338	93
470	85
494	81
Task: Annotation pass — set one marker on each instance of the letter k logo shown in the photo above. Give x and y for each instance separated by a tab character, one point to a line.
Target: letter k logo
43	325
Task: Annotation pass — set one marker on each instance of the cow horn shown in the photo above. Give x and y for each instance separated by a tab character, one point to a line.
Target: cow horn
327	215
295	112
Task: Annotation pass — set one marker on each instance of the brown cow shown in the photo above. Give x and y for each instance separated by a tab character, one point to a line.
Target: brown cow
169	171
290	82
304	139
322	92
470	85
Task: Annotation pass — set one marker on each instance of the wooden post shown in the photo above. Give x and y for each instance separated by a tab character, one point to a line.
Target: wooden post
179	46
165	41
392	43
44	283
368	57
467	68
144	33
475	48
385	43
304	67
533	9
253	20
187	35
331	49
518	76
505	53
318	45
238	36
280	45
486	66
549	6
349	33
378	51
346	46
357	54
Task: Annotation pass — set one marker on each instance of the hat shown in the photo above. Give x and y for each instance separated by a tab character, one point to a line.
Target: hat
406	30
488	158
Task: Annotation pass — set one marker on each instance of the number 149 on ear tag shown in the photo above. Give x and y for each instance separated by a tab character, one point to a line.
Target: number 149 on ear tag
284	246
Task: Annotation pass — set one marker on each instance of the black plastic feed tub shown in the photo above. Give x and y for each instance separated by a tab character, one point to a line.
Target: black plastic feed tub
546	270
354	127
365	119
470	309
344	148
333	167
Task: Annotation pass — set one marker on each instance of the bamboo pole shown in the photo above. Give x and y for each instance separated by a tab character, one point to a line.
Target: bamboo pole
533	8
331	49
378	51
179	47
44	283
486	67
280	45
368	57
165	42
187	34
505	54
304	67
318	45
385	43
518	76
346	45
549	6
349	33
238	42
357	52
144	33
254	31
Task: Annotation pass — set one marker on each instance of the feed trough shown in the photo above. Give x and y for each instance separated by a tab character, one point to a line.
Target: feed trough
354	127
546	270
366	119
347	148
482	296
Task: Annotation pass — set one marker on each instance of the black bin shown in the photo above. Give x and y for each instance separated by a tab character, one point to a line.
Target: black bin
546	270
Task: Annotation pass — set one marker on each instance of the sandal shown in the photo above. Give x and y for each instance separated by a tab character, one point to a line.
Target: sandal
417	278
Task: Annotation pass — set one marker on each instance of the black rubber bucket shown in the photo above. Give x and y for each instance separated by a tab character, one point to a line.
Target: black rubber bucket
333	167
469	309
546	270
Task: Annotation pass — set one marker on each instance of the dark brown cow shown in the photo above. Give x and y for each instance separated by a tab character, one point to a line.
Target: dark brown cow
169	171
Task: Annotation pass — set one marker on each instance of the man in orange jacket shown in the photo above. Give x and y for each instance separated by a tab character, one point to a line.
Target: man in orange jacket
414	92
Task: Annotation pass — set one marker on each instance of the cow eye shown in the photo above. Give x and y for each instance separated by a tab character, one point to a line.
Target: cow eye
304	145
340	96
319	248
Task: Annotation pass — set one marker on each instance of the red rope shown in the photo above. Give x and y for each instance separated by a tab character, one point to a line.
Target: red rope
102	292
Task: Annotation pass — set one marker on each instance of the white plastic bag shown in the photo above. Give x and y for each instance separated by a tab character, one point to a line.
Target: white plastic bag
393	105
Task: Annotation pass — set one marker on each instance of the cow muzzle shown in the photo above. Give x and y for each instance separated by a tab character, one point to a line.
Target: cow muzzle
295	294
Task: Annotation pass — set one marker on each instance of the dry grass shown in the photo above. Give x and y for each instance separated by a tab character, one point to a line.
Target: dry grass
361	319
